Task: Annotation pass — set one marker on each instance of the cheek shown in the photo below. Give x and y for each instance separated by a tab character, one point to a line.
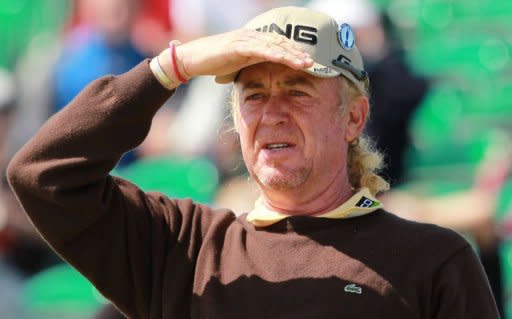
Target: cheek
243	139
333	140
245	119
246	145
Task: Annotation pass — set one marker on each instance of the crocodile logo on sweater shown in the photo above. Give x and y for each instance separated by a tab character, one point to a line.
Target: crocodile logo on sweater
353	289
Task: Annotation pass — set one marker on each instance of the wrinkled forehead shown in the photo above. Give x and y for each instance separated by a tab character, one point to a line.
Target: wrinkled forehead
267	73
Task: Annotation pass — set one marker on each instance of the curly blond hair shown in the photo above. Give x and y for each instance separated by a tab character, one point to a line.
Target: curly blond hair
364	161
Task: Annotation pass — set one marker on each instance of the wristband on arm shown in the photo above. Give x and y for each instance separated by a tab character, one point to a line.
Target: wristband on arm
160	75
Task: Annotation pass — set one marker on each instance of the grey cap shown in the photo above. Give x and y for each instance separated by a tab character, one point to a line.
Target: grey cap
331	45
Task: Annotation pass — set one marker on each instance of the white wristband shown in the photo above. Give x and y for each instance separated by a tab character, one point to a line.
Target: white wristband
160	74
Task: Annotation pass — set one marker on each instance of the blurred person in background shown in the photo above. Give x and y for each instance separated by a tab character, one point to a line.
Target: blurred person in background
396	94
300	108
154	26
101	43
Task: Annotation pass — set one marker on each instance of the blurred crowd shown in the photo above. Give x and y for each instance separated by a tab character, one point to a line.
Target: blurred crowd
441	105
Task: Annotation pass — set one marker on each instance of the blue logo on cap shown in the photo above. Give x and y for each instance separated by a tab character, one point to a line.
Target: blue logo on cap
346	36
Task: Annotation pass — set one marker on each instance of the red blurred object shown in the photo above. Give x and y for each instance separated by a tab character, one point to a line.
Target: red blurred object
158	11
152	28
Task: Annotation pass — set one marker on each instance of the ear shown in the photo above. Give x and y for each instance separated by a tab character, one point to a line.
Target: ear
357	114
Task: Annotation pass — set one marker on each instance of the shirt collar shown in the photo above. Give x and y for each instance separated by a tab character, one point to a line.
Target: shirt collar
361	203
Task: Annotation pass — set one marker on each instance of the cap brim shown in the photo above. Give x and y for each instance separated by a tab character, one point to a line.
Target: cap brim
317	70
322	71
225	79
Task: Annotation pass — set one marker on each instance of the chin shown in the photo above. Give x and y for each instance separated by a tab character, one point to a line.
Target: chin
281	180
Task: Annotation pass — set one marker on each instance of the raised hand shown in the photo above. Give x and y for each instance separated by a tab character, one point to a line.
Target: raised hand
229	52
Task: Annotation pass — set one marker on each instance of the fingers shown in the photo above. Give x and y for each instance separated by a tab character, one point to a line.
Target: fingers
229	52
272	47
279	49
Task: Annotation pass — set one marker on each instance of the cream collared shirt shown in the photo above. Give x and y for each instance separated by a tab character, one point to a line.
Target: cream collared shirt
361	203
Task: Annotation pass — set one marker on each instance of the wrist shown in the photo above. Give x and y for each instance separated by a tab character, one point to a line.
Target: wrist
159	68
171	61
165	61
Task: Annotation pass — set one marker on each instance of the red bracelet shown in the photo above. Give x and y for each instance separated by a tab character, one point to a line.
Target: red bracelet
172	46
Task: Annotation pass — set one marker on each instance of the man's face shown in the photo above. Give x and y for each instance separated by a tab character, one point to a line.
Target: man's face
292	131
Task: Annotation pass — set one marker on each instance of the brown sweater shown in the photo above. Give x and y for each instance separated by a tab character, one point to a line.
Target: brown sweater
156	257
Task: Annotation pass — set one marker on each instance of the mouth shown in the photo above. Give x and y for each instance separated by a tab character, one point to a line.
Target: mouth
278	146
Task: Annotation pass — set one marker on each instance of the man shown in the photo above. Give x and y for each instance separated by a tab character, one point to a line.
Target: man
317	244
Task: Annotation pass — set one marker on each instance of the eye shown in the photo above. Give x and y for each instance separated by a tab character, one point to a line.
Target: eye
298	93
254	97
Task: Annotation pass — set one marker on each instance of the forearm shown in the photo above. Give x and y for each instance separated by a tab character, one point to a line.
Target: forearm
61	177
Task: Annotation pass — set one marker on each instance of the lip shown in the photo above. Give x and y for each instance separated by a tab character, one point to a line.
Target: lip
266	146
273	156
263	141
276	153
289	147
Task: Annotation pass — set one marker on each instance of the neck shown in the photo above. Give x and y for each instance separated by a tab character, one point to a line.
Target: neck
302	201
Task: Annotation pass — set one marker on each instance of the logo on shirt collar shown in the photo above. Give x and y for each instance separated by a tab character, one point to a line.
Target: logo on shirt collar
365	202
353	289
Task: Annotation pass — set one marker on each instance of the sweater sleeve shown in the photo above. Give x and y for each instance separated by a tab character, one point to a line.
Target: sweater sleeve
112	232
461	289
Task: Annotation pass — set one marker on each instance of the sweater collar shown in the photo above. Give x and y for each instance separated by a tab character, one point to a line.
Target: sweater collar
361	203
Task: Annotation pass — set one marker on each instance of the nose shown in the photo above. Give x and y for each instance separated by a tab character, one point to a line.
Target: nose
274	111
